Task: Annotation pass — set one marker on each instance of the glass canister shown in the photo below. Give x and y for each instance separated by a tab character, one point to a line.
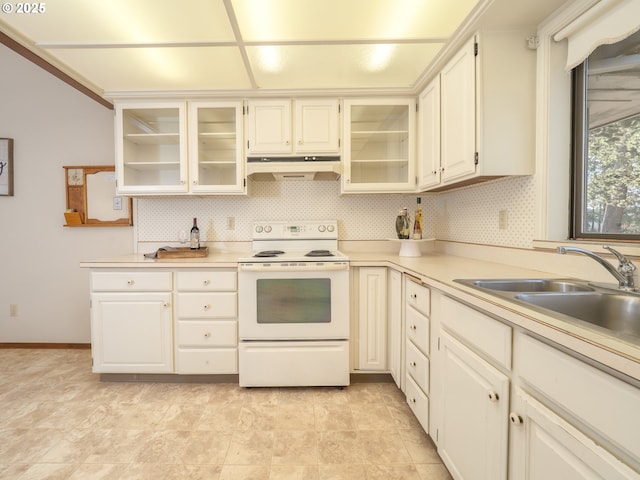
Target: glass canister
402	224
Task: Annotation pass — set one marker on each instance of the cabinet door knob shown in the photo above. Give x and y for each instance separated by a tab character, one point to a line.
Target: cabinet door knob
131	283
413	327
493	396
516	419
206	282
412	400
414	296
207	335
207	307
413	364
165	304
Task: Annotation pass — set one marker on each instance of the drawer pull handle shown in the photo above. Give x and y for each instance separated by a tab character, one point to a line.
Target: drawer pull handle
413	400
131	283
165	304
516	419
413	364
207	307
414	296
413	327
207	335
493	396
206	282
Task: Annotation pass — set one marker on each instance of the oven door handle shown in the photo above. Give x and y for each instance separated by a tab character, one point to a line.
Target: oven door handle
292	266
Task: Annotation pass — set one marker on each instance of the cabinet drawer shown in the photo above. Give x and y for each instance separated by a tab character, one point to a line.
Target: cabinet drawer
418	330
207	305
604	403
418	296
418	402
207	281
207	360
131	281
218	333
479	331
418	366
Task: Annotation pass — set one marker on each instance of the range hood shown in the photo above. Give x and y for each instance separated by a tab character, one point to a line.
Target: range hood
261	169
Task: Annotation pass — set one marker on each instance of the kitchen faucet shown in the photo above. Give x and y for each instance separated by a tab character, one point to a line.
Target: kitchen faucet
625	273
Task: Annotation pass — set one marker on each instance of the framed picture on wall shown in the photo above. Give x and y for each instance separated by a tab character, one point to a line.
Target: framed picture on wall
6	166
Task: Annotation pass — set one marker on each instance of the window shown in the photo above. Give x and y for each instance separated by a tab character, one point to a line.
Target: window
606	143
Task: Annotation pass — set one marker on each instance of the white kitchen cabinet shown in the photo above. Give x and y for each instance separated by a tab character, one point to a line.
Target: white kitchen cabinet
372	318
428	159
558	390
216	163
545	446
417	324
458	114
151	147
286	127
487	112
179	148
379	145
317	126
470	390
131	322
395	327
206	322
473	433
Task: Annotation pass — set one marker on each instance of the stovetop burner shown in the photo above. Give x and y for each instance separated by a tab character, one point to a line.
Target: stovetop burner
268	253
319	253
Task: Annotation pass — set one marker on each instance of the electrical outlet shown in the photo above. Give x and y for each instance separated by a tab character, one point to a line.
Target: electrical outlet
117	203
13	310
231	223
503	218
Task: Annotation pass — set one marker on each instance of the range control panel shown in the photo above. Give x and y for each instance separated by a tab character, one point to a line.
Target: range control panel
299	229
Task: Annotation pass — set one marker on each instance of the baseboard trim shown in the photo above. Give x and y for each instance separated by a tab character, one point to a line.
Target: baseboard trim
59	346
168	378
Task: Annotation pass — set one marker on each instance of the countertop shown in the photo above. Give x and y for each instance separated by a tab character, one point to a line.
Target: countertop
438	271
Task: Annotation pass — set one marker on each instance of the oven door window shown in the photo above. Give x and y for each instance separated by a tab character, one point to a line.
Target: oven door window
293	300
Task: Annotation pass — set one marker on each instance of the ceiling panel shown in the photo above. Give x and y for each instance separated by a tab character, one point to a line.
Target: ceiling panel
340	66
116	21
124	46
146	69
292	20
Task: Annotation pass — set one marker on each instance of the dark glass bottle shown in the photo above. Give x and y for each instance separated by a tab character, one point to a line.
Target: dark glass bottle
195	235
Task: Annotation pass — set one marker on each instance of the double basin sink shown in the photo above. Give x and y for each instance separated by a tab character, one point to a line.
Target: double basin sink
616	311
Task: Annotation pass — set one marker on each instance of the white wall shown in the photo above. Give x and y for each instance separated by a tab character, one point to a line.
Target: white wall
52	125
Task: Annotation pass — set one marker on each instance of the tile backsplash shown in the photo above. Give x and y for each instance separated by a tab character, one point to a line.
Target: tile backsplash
467	215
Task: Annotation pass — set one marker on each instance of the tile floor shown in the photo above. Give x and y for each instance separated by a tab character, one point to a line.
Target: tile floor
59	421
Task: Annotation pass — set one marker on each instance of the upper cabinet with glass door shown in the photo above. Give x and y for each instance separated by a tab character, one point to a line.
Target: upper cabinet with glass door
151	148
215	148
379	147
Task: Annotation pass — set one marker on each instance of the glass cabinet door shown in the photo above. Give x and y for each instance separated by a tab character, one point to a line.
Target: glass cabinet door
379	150
150	145
216	147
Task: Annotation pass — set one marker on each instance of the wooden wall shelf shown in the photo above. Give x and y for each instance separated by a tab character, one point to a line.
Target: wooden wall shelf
90	192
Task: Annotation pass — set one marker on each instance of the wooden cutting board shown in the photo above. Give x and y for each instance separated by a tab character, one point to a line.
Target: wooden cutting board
182	252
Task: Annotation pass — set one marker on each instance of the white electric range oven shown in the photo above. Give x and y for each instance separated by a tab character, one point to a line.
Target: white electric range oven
294	310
